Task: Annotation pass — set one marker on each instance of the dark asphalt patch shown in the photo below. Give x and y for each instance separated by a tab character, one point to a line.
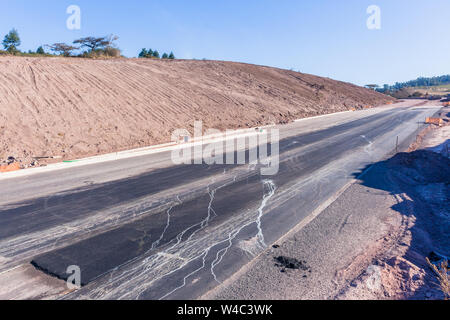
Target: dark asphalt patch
46	212
101	254
290	263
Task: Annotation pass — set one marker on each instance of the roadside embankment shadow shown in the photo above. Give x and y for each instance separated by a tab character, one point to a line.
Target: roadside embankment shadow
420	183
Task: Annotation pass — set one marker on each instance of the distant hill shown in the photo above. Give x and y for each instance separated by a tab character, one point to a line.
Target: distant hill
421	87
423	82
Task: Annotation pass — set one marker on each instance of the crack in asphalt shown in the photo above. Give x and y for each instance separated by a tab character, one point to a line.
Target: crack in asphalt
260	236
178	253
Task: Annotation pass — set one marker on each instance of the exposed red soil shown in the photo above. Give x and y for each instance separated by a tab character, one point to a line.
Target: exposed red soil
73	107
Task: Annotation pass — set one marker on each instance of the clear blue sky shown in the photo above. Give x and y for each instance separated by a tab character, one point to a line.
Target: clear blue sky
323	37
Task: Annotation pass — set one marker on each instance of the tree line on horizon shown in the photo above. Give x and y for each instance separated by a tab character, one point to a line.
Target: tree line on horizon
95	47
155	54
423	82
419	82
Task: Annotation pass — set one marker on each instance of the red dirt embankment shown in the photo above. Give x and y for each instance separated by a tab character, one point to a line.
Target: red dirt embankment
78	107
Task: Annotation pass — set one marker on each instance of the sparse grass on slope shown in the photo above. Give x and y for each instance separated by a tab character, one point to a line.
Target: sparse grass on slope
442	273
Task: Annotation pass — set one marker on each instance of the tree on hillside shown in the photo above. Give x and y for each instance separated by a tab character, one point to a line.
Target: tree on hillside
11	41
62	48
165	56
95	43
171	56
92	43
143	53
148	53
40	50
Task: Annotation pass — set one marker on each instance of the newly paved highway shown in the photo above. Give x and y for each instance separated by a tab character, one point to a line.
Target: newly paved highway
142	228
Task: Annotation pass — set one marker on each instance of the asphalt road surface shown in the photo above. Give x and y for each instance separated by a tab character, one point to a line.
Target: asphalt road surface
143	228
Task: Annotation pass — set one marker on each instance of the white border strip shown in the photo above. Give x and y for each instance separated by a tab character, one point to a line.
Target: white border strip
325	115
133	153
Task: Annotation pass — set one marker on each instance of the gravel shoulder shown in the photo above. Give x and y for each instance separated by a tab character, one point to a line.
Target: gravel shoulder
371	243
27	283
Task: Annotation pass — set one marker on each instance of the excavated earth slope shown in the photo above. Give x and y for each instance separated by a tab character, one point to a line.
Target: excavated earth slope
74	107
